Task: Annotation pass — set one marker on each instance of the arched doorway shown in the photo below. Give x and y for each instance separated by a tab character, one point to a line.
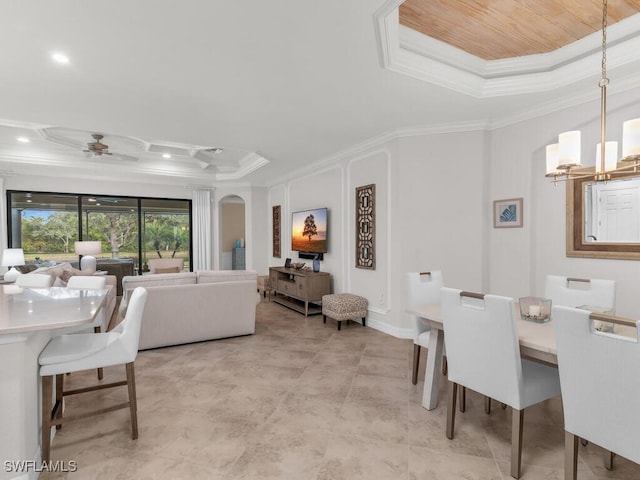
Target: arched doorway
232	233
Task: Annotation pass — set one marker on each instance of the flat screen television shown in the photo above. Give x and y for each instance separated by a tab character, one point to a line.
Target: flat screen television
309	232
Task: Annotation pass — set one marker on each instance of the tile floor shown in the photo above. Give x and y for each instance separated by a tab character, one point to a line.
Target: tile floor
299	400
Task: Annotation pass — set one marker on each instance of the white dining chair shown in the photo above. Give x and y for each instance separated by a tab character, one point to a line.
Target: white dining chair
574	292
600	386
34	280
101	322
483	352
75	352
421	288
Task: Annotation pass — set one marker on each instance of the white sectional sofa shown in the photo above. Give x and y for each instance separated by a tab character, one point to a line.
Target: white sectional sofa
192	307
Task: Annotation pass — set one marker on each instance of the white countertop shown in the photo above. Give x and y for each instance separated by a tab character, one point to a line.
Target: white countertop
32	309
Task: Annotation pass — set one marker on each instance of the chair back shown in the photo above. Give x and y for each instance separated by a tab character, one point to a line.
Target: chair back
129	328
87	282
34	280
420	288
481	339
600	382
573	292
166	265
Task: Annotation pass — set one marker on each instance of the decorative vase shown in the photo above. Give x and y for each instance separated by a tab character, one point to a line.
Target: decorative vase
316	265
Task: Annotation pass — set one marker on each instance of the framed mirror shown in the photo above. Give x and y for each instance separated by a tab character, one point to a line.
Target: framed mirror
603	218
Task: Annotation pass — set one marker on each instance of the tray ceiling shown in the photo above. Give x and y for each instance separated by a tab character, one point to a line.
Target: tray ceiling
498	29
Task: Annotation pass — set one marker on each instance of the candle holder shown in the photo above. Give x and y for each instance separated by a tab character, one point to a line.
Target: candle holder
535	309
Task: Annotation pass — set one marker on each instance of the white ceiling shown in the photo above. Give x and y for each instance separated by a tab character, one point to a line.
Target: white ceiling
279	85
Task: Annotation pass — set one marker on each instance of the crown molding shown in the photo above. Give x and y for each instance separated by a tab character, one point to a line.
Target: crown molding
249	163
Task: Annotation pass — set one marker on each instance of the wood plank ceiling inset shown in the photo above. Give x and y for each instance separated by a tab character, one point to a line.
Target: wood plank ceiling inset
495	29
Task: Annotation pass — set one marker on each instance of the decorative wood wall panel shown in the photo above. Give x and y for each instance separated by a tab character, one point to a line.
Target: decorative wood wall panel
366	227
276	231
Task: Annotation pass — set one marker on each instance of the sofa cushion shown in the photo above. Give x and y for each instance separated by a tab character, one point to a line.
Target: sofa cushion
130	283
217	276
67	274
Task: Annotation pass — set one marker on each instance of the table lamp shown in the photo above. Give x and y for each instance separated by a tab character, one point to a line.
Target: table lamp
86	250
11	257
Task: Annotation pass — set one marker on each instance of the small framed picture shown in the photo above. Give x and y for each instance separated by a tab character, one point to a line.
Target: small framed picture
507	213
287	263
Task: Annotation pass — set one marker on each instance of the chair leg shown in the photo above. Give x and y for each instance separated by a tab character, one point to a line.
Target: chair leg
517	418
45	441
364	321
416	363
487	405
100	371
133	403
570	456
324	319
339	325
445	365
59	394
451	409
463	399
608	460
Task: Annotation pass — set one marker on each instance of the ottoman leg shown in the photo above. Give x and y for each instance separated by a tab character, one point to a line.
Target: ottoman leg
339	324
324	319
364	320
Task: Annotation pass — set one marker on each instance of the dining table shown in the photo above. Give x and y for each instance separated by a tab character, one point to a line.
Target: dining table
537	342
29	318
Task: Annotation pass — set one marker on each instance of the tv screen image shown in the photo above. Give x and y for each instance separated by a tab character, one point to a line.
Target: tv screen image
309	231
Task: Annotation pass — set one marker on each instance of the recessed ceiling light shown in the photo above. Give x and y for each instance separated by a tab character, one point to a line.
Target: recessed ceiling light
29	200
60	58
166	155
91	199
23	139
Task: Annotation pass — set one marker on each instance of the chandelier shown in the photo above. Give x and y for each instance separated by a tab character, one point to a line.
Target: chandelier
563	158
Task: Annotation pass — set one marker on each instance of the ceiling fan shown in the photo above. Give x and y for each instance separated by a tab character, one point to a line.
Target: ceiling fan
97	148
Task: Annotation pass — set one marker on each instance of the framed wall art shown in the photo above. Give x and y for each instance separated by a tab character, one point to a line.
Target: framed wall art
366	227
507	213
276	231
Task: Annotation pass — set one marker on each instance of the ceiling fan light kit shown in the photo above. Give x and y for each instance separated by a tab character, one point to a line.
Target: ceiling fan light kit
97	148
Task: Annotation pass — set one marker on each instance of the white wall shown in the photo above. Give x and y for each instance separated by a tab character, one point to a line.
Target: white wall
520	259
428	217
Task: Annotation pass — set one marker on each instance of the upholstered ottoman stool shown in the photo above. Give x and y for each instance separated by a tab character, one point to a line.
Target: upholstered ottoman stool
344	306
264	287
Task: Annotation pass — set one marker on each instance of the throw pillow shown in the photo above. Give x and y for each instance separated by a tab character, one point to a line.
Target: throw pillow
168	270
67	274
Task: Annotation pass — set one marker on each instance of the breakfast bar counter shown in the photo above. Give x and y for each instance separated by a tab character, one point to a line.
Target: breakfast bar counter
29	318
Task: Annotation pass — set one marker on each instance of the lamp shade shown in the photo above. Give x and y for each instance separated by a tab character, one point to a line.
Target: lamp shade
553	158
631	138
12	257
569	150
88	247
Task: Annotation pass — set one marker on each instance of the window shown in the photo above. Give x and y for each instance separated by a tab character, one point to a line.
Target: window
46	225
